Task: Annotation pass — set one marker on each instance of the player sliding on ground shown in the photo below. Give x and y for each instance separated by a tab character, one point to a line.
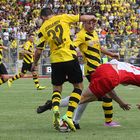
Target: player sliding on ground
107	77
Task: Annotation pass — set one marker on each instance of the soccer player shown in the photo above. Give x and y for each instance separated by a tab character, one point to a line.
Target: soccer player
107	77
28	58
88	42
3	72
64	63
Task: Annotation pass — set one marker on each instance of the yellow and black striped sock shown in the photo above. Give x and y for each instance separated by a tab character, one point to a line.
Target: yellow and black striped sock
36	81
2	81
108	109
73	101
17	76
56	98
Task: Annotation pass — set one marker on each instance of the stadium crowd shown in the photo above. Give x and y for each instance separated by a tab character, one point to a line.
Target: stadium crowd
118	23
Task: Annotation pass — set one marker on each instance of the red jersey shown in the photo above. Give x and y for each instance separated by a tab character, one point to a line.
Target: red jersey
106	78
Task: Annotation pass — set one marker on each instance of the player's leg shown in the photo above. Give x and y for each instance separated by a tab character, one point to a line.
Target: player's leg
36	81
107	106
19	75
78	114
58	77
3	74
48	105
80	110
75	77
56	98
73	103
87	96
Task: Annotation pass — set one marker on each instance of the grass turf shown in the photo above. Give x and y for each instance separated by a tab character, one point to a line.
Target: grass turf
19	120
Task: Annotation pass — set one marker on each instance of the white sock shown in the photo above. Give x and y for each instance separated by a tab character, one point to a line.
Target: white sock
65	102
78	112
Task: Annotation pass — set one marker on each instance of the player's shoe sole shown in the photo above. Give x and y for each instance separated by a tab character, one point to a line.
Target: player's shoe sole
56	119
69	122
41	88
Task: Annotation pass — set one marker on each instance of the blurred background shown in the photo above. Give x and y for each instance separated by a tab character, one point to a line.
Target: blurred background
118	27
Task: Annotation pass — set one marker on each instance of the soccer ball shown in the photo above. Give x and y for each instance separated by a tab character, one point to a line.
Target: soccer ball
64	127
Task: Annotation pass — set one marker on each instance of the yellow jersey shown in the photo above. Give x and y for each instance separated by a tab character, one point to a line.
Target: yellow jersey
28	46
89	45
56	32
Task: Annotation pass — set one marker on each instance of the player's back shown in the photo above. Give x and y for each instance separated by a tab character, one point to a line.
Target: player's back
128	74
28	58
56	31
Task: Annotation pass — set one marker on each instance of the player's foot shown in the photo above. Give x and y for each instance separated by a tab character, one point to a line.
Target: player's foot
9	82
69	122
41	88
56	119
45	107
112	124
77	125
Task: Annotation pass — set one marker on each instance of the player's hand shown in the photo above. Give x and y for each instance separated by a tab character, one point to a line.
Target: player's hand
116	56
138	106
34	67
125	106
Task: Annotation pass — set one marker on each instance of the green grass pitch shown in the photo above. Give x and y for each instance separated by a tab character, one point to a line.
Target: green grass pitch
19	120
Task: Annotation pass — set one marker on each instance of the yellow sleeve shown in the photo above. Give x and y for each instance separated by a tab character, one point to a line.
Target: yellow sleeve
41	41
70	18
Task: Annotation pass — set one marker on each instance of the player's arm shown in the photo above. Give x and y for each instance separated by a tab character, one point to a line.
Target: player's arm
109	53
3	47
87	18
26	52
121	103
40	47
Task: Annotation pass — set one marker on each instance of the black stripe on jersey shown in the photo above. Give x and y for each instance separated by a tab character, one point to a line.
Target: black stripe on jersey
91	65
72	47
41	45
40	35
28	56
86	39
93	49
89	34
92	57
30	49
0	55
74	56
0	52
27	59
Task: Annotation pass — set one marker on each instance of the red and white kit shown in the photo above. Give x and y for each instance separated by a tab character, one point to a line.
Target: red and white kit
106	78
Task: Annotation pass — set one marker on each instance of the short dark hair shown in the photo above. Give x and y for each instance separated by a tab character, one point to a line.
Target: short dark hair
46	12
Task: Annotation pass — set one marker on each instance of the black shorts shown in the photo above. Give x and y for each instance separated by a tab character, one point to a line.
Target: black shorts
3	69
26	67
66	71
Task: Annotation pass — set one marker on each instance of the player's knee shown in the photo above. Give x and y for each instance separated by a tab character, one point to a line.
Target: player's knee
35	74
21	74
